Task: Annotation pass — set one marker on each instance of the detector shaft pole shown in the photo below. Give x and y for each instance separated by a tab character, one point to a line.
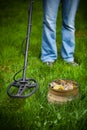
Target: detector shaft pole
27	39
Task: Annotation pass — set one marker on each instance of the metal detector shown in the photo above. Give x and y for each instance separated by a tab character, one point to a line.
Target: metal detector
24	87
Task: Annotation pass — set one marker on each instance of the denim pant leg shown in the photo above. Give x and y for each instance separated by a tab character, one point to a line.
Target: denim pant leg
49	50
69	8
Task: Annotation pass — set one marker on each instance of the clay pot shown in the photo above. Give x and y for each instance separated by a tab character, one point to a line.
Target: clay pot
62	96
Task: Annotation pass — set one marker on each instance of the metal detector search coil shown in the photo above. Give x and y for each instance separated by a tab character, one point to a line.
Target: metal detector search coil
24	87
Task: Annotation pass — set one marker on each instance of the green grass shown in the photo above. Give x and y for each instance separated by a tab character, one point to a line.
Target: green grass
35	113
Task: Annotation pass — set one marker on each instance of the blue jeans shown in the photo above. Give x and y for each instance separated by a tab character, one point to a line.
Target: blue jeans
50	10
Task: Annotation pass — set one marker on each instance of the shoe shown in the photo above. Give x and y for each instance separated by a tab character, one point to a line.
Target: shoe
49	63
73	63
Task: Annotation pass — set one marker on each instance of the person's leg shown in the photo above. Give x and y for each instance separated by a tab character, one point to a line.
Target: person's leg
69	8
49	50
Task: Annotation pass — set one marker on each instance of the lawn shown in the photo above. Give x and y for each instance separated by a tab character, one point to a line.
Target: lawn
35	113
